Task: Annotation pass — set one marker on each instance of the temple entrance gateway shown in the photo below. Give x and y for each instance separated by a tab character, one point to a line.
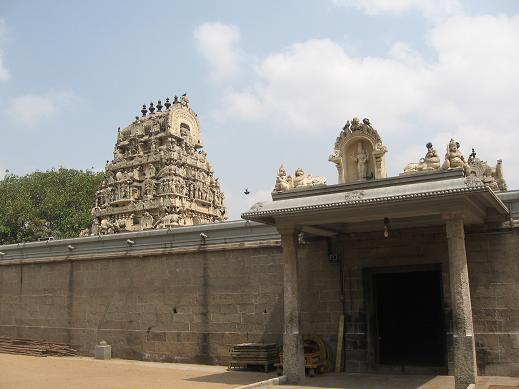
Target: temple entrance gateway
408	326
409	304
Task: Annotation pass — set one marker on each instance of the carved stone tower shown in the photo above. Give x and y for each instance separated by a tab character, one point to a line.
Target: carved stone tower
359	153
160	176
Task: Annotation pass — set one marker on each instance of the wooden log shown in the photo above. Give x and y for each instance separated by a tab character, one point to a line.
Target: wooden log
340	342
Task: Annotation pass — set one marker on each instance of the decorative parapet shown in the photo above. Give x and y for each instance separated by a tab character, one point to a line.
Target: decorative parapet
422	189
359	153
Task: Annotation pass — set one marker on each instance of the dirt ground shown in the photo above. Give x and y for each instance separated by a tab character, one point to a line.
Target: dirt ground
388	381
26	372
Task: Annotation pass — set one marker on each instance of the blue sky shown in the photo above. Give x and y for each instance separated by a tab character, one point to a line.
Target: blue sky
272	81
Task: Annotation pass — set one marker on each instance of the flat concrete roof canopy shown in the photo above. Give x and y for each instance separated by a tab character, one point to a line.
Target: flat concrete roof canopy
407	201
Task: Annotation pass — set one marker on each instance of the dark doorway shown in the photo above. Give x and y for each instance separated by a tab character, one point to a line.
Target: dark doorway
409	318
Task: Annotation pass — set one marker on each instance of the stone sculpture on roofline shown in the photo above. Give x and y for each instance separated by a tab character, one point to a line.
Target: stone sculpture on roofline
472	167
431	161
301	179
359	155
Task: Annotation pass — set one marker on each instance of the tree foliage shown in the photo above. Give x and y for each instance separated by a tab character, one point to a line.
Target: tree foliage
53	203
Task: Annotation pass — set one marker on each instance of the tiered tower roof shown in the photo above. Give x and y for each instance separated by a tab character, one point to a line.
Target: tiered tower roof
160	176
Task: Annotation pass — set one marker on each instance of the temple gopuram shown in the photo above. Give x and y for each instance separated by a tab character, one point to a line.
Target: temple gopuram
160	176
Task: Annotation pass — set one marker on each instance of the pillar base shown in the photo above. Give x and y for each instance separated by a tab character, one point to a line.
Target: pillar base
464	361
293	358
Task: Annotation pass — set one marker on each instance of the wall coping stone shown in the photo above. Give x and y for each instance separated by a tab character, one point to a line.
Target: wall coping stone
239	234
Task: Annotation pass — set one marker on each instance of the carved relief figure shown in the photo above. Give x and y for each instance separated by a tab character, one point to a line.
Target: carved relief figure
299	178
361	159
355	124
489	180
500	178
431	161
357	150
454	158
146	221
490	176
283	182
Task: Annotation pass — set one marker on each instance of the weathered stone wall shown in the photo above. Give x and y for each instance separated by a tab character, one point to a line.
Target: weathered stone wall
186	307
494	282
192	306
493	261
365	251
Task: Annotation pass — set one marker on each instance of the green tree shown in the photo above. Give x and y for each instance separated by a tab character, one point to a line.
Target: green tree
53	203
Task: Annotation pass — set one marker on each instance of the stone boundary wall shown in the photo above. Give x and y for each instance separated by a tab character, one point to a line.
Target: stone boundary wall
169	296
173	296
493	261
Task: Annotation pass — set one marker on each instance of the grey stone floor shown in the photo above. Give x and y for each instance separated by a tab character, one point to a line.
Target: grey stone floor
383	381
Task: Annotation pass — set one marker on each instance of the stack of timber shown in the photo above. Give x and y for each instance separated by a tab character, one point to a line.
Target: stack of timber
246	354
35	347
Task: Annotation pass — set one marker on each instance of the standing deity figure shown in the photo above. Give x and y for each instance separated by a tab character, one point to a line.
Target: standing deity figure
147	221
361	158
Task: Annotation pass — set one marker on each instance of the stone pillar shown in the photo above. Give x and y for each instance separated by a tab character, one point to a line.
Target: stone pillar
465	370
293	352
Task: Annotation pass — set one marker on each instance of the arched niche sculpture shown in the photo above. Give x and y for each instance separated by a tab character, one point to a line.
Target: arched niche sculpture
359	153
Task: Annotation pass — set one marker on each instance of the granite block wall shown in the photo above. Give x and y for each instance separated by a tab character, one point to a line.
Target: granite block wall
187	307
192	307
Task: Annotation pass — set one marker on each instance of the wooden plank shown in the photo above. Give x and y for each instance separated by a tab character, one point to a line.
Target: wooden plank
340	341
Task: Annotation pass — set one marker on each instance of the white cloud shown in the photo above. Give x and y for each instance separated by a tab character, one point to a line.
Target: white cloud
217	42
310	86
430	8
30	110
4	73
470	91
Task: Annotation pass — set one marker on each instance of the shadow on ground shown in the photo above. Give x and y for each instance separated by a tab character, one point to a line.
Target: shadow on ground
384	381
374	381
234	377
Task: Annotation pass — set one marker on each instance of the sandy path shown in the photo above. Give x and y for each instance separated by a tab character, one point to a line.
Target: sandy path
26	372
